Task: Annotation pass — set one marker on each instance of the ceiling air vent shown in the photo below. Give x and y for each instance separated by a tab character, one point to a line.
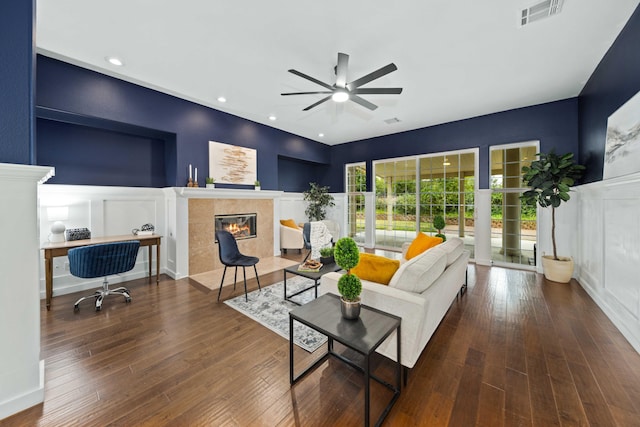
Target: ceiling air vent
540	11
392	121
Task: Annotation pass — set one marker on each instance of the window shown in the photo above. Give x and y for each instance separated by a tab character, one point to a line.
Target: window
356	186
411	191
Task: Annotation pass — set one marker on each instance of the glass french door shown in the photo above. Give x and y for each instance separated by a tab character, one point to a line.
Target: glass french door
513	223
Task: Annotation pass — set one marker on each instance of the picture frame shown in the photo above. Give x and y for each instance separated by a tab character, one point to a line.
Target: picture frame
232	164
622	149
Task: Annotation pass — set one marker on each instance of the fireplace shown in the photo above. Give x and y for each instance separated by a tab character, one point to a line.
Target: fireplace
241	226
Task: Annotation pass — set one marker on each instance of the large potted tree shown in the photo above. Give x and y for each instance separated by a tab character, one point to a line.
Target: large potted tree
550	179
319	200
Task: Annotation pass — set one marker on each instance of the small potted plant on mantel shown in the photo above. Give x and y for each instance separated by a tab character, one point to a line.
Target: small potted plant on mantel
347	256
256	185
210	182
550	178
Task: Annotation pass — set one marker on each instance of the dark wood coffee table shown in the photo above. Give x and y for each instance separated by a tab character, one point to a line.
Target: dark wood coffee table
364	335
313	275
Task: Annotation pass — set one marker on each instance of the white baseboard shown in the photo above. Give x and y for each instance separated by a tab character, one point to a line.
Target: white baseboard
624	323
25	400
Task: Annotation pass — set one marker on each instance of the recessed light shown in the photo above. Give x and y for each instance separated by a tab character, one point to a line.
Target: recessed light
222	99
272	118
114	61
321	135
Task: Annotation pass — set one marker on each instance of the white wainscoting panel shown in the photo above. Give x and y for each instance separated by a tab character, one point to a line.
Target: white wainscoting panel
105	211
609	238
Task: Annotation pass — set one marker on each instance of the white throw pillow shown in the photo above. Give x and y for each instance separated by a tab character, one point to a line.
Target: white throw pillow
454	246
417	274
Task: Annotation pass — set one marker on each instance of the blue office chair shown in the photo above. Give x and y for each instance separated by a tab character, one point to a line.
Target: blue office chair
230	256
103	260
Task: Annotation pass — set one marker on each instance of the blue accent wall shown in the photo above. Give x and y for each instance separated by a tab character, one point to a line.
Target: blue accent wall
289	162
614	82
17	58
554	124
85	97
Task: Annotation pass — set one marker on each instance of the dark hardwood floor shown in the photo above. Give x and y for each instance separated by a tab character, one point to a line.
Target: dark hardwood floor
515	350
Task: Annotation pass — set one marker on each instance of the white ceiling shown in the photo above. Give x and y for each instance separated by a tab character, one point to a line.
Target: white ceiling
456	59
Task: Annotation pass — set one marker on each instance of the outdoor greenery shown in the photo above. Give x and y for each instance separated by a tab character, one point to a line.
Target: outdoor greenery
319	200
550	178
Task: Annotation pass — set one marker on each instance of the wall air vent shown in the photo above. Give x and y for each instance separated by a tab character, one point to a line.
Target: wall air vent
392	121
540	11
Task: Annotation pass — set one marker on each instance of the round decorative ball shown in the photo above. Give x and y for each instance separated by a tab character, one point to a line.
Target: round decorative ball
350	286
346	253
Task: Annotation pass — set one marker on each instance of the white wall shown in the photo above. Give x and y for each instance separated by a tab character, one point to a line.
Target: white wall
608	254
21	370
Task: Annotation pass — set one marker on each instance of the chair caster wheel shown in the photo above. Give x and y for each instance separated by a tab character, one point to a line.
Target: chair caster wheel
99	308
128	299
76	308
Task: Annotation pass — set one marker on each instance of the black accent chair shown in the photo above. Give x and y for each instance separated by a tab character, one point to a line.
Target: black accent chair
103	260
230	256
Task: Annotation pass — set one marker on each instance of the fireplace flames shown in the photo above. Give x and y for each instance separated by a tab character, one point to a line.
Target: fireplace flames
238	230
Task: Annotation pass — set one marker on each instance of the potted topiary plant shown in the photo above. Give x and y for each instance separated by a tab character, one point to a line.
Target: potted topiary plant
319	200
210	182
326	255
550	178
439	224
347	256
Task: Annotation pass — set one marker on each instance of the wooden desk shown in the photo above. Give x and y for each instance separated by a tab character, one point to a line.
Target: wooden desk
52	250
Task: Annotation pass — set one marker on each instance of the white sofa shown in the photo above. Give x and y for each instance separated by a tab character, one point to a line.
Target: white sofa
420	292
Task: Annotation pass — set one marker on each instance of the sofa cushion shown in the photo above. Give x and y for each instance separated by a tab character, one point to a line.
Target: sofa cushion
376	268
454	246
421	243
417	274
289	223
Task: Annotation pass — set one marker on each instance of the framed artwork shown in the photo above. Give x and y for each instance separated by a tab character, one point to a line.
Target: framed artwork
230	164
622	151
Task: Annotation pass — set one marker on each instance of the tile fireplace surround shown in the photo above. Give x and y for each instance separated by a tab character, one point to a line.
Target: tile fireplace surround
203	251
195	212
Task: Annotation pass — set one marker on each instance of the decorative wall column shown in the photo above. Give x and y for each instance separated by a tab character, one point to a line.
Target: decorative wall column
21	370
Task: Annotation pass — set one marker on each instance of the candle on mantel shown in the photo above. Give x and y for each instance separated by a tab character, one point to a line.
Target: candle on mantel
196	175
190	171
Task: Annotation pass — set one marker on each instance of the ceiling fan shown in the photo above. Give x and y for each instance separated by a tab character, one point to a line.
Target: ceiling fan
342	91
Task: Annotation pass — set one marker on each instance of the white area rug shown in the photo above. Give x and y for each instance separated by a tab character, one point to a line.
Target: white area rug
211	279
269	308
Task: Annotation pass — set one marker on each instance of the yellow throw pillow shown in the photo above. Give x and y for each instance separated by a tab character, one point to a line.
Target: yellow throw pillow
421	243
376	268
289	223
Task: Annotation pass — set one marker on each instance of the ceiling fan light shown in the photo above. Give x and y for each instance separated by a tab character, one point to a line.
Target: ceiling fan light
340	96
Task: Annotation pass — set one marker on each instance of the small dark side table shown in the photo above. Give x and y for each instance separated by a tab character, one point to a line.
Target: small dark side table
363	335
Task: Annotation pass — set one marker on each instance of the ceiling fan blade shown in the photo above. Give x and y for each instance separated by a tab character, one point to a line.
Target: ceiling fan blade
341	69
378	91
372	76
316	81
305	93
317	103
363	102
